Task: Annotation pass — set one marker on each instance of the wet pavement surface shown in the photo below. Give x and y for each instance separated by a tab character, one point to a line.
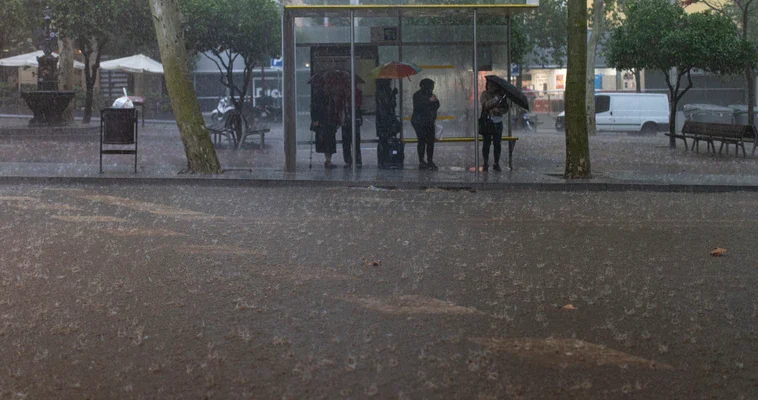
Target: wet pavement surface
130	291
617	159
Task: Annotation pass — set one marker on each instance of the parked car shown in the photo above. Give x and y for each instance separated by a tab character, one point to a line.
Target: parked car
646	113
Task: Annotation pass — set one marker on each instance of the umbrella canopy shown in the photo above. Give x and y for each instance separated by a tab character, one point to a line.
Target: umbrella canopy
137	64
30	60
511	92
394	70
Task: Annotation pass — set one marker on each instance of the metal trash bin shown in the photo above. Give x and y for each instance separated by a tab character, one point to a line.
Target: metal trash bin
118	126
708	113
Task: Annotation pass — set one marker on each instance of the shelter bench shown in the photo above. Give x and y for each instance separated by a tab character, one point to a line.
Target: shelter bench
510	139
725	133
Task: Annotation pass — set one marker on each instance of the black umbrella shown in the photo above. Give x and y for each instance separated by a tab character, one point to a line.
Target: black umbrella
510	91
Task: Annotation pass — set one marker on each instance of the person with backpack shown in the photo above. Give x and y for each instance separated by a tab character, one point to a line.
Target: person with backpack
494	106
425	106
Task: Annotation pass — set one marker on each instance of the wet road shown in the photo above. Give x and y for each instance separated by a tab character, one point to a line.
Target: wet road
217	292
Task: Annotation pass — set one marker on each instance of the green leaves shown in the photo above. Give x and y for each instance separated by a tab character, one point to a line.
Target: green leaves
659	35
125	24
250	28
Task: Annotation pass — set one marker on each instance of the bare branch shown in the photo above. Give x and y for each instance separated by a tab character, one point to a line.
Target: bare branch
689	86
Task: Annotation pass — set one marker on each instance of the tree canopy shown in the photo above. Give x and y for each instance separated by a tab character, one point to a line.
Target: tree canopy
230	30
20	18
94	25
660	36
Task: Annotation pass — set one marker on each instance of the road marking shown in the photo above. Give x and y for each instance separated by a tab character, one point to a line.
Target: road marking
87	218
555	351
152	208
125	232
214	249
17	198
411	304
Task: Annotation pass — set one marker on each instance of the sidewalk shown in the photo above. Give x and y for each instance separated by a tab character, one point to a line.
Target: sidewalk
619	162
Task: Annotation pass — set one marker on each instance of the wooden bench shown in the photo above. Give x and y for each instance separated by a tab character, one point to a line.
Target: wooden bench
725	133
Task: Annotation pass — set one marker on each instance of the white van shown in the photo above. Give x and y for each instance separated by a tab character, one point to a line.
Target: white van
628	112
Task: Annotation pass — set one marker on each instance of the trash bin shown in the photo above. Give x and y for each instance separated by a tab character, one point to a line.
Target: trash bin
708	113
740	113
118	126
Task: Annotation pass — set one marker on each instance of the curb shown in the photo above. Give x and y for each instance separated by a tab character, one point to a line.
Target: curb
383	185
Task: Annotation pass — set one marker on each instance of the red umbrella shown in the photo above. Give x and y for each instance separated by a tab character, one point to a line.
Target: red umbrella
394	70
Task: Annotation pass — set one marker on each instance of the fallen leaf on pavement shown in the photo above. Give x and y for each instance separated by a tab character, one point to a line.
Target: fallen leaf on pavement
718	252
372	263
568	307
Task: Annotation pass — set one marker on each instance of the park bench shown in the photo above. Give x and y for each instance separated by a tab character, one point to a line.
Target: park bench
710	132
224	128
253	129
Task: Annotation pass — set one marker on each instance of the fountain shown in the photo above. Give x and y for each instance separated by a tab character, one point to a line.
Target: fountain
47	102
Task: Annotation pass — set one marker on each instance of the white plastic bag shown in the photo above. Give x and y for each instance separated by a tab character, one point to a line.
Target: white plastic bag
438	132
123	102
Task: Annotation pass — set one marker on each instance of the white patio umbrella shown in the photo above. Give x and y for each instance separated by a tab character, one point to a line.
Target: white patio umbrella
30	60
137	64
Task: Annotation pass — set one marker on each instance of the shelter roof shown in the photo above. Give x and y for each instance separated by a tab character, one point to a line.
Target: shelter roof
407	10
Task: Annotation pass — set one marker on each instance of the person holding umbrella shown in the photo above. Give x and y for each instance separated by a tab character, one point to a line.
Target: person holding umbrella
494	107
493	99
425	106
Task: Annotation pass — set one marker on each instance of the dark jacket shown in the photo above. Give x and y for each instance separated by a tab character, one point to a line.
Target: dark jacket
386	118
323	109
424	110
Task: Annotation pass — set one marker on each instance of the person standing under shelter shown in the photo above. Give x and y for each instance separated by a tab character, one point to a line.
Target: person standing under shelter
425	106
347	130
325	119
494	106
386	102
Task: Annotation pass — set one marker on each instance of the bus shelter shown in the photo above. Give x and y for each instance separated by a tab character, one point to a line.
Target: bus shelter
453	45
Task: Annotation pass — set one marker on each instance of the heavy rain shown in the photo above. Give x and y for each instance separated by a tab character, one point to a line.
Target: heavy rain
257	199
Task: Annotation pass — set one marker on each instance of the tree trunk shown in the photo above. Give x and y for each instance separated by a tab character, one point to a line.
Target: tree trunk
598	18
201	155
66	76
88	85
91	70
672	120
638	80
749	77
577	141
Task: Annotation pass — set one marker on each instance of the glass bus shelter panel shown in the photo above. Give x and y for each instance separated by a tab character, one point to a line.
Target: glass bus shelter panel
443	49
322	88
